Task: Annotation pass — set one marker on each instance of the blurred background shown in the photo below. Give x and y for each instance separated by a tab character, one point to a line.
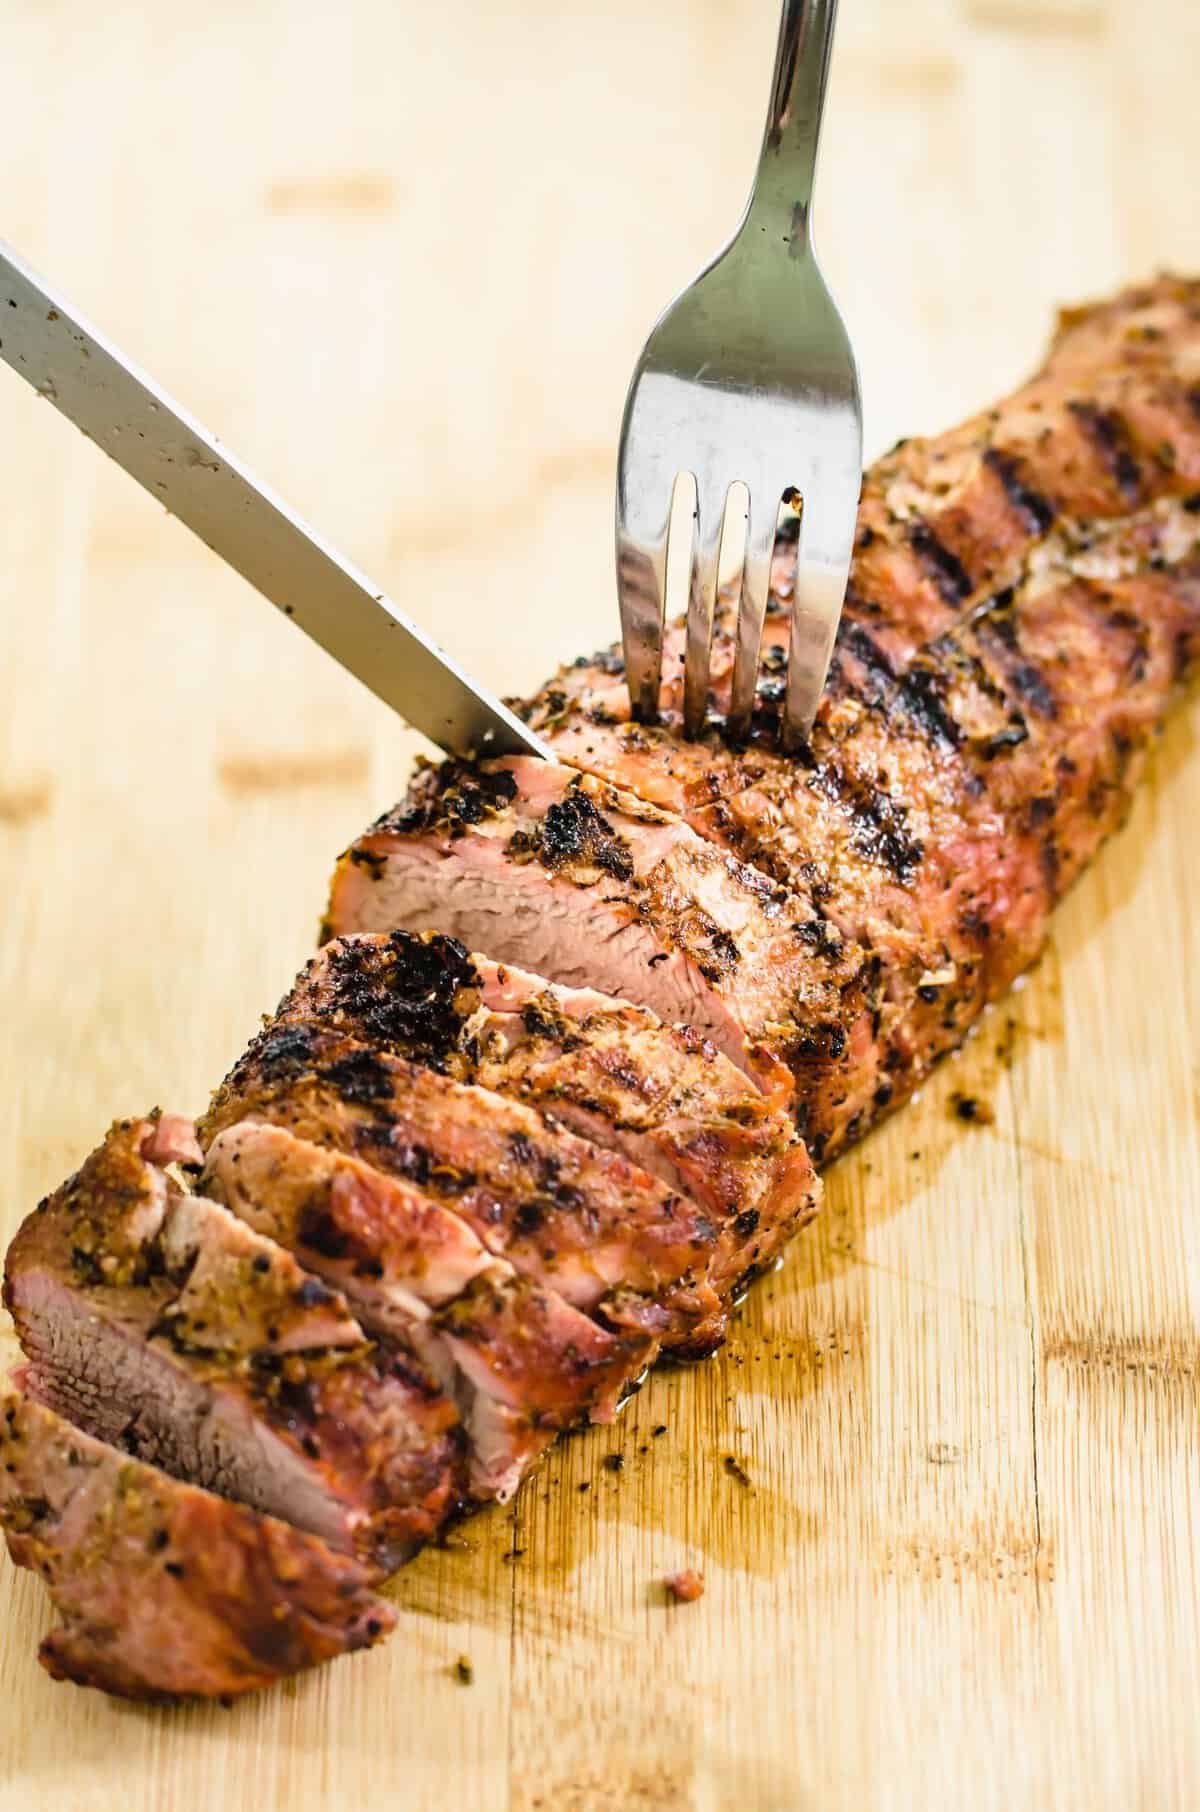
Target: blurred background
402	258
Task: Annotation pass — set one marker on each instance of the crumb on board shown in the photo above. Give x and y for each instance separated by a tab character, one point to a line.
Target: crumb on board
464	1672
736	1470
685	1586
972	1109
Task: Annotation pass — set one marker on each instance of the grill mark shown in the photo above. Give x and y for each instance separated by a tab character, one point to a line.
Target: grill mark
281	1055
1016	672
1109	436
997	618
360	1076
919	696
1037	512
1028	680
866	650
878	822
947	571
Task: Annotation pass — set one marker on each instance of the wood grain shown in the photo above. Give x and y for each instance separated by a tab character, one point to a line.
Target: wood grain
403	257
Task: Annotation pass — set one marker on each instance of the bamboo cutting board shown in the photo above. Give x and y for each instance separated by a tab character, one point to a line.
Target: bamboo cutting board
944	1482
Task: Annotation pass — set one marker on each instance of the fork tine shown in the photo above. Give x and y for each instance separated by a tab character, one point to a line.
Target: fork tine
827	527
641	587
752	608
702	597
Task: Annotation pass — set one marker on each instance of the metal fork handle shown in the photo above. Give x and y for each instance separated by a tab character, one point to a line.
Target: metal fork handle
749	366
788	161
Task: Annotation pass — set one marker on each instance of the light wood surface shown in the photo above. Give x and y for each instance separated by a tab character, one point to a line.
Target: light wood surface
402	257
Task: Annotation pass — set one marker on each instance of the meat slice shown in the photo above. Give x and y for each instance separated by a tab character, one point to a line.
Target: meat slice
396	1254
519	1363
165	1590
663	1095
561	873
158	1321
583	1222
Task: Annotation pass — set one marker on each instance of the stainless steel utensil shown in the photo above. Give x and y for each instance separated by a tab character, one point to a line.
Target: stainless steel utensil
748	376
137	424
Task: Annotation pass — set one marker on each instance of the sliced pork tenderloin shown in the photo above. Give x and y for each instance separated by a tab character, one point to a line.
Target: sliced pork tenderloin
1021	600
396	1254
158	1321
584	1222
165	1590
1106	427
520	1364
563	874
663	1095
942	811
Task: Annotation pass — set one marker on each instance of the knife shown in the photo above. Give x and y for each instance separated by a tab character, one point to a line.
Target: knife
67	361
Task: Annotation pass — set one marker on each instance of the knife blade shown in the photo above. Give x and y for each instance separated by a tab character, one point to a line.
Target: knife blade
182	466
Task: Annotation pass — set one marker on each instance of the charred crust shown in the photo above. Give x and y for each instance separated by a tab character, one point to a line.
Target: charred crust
282	1055
1108	435
319	1232
411	993
1035	512
574	834
920	698
820	1042
1014	733
542	1018
878	822
722	957
452	799
861	644
1029	682
362	857
820	936
999	621
946	570
360	1076
605	660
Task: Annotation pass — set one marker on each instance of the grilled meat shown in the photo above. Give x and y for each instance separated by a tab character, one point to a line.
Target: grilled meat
562	873
515	1358
943	809
524	1187
397	1255
613	1072
583	1222
160	1322
1024	596
164	1589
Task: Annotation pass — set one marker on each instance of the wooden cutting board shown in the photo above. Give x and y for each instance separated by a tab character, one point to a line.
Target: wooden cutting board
944	1483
